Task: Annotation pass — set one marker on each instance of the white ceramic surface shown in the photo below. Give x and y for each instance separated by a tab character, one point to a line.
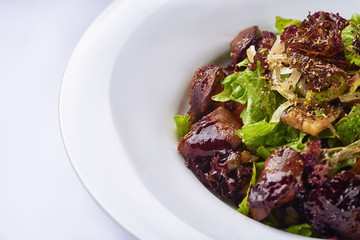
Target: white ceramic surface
124	83
41	196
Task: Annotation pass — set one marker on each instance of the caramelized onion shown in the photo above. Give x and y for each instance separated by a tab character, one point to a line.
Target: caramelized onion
302	87
287	87
277	114
251	52
349	97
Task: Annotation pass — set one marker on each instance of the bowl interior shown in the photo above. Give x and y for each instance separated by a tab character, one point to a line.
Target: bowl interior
149	86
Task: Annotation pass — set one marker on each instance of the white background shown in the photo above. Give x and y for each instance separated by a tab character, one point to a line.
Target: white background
41	196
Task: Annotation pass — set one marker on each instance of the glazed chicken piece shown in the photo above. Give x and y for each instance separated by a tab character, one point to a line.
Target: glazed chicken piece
279	182
306	120
211	152
206	83
266	40
242	42
235	108
212	135
246	38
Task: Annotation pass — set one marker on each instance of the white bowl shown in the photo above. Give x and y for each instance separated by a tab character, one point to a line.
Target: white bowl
126	80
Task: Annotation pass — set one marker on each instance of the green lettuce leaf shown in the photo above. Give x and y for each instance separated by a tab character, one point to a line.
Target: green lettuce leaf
348	127
263	137
243	208
257	167
304	229
243	63
354	82
342	156
355	18
351	35
348	163
250	87
182	125
288	220
326	95
281	23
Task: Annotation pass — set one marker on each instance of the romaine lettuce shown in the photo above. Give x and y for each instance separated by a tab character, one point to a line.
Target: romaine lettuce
302	229
257	167
250	87
355	18
263	137
351	37
326	95
348	127
182	125
281	23
348	163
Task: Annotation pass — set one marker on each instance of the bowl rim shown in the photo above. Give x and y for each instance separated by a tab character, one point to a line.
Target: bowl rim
95	39
74	123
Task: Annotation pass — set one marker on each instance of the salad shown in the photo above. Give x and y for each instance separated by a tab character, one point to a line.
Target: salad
276	133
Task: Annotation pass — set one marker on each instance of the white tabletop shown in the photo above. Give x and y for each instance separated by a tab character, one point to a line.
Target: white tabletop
41	196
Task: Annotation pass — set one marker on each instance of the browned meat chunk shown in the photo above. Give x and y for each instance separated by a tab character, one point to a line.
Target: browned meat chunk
333	208
206	82
214	134
308	121
235	108
210	152
243	41
356	167
279	182
266	40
